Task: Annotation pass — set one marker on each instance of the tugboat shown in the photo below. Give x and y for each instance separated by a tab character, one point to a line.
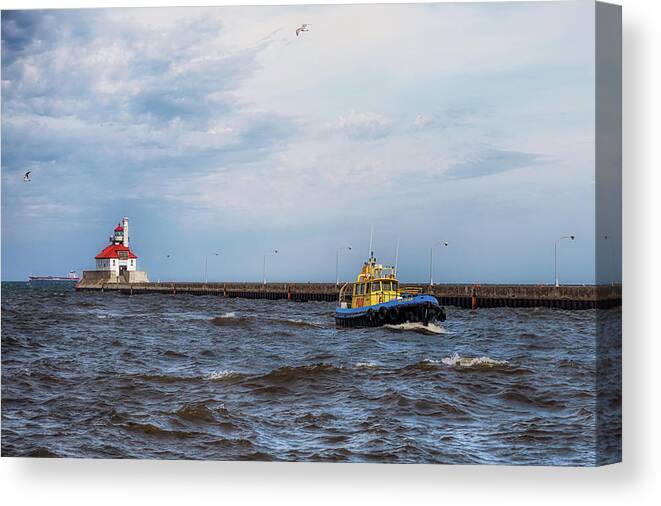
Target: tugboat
376	299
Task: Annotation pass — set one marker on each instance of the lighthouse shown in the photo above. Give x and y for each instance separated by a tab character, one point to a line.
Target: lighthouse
117	263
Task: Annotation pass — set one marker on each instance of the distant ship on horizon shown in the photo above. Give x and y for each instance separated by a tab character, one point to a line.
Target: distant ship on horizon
72	276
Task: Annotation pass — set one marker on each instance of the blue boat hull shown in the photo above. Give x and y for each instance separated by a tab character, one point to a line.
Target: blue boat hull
419	309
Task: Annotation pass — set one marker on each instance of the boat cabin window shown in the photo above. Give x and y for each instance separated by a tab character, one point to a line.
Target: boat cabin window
387	286
376	286
360	289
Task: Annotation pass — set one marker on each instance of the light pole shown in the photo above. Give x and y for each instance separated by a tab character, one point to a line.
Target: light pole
431	261
337	263
571	238
206	263
275	252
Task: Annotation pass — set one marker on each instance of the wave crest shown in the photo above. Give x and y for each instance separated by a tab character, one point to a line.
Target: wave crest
222	375
195	412
474	362
230	320
304	372
296	323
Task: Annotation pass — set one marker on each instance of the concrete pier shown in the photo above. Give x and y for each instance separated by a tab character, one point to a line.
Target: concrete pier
460	295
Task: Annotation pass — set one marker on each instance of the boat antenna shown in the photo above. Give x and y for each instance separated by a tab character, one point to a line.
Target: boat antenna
396	255
371	235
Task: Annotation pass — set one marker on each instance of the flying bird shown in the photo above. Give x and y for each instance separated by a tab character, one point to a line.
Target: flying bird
302	28
26	178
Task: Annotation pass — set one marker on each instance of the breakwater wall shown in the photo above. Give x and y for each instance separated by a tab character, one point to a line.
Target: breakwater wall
460	295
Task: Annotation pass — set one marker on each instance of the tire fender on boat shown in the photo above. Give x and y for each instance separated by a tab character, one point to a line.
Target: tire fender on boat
383	314
370	316
395	314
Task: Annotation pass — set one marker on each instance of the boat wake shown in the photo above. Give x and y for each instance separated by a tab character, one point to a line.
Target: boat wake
429	329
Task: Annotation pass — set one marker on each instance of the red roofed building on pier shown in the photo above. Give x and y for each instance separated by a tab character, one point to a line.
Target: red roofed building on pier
117	262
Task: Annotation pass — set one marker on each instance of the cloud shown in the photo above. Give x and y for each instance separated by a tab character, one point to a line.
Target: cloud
490	162
422	121
451	118
129	90
364	125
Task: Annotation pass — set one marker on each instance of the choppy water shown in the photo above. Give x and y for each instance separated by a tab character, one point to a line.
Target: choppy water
186	377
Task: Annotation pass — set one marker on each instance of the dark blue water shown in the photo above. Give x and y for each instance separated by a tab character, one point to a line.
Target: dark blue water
105	375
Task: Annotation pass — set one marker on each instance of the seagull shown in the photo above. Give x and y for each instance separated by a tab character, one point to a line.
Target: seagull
302	28
26	178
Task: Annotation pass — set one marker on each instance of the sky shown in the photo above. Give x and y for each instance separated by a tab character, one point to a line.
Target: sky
218	130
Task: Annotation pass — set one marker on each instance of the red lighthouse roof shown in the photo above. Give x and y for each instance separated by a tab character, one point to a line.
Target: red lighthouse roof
112	251
119	228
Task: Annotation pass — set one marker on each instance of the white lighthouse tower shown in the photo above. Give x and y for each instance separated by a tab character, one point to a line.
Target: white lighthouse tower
117	263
